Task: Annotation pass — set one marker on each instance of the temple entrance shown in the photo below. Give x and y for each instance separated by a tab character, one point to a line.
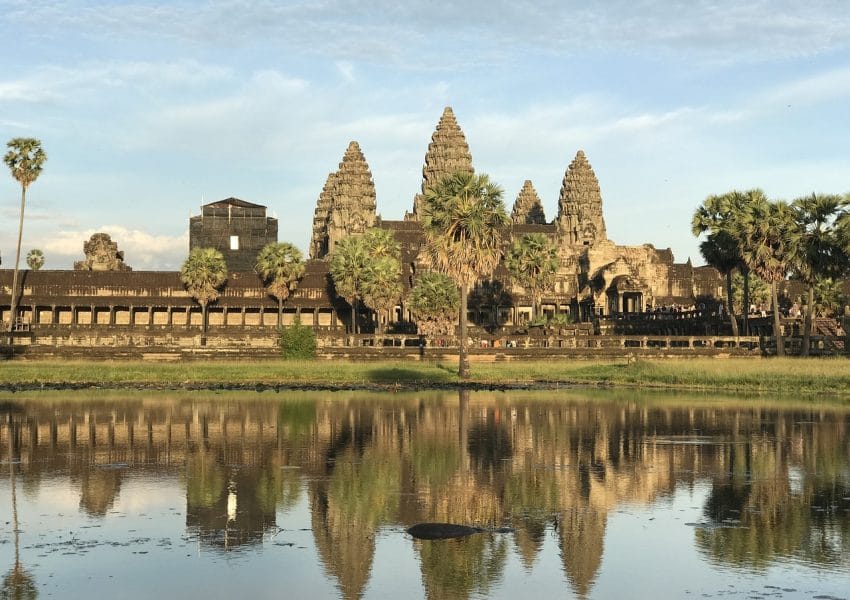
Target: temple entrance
625	295
632	302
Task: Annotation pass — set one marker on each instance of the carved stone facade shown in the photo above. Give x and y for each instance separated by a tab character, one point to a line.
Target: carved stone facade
448	153
102	254
236	228
580	220
528	210
596	277
346	205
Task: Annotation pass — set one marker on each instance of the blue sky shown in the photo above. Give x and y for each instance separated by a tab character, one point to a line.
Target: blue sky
147	110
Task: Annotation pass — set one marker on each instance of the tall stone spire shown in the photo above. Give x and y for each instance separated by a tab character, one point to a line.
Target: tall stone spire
528	210
353	205
319	241
580	220
447	153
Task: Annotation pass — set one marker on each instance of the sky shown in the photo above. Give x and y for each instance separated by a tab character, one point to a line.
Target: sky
148	110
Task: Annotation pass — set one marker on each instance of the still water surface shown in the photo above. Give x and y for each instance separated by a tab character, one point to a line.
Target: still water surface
308	495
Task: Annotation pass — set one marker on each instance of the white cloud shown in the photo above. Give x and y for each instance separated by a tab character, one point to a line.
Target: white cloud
449	33
51	83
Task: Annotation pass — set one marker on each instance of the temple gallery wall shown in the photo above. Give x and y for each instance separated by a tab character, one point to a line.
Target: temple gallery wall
103	297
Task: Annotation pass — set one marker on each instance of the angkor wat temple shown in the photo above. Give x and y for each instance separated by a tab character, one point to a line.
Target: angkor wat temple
596	278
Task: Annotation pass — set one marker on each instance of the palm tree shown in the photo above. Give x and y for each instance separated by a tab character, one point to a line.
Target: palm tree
768	236
382	283
820	254
721	213
532	261
35	259
463	215
720	250
349	261
382	286
434	302
203	274
25	160
281	266
381	243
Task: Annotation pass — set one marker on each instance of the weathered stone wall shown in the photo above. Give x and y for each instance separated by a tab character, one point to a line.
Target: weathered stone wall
220	221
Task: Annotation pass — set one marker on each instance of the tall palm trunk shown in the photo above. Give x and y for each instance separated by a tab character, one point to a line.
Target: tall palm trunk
13	308
463	367
354	316
204	324
777	327
279	312
746	273
807	322
730	305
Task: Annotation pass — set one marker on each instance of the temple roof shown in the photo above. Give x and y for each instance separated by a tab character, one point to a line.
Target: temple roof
234	202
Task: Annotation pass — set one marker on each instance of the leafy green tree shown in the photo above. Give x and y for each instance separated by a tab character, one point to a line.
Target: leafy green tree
434	302
382	281
281	266
204	273
35	259
768	236
759	291
462	220
297	341
349	262
25	160
367	268
532	262
819	253
720	250
721	213
829	297
382	286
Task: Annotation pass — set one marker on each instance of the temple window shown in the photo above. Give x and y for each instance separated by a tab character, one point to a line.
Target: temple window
234	242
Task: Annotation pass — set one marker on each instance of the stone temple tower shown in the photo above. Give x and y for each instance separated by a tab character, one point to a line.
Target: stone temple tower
528	210
447	153
580	221
346	205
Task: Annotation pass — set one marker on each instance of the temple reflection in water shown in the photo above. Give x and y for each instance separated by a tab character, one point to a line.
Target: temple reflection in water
778	476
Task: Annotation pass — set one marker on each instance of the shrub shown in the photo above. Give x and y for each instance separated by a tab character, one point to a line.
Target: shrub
297	341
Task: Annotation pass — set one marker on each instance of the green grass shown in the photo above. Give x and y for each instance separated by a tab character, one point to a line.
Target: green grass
786	376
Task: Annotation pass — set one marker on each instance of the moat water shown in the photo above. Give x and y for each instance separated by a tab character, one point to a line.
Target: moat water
309	495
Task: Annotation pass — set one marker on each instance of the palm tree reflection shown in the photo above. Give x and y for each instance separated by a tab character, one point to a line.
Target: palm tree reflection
18	584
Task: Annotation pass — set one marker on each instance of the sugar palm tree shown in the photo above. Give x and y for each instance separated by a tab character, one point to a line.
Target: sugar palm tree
349	261
382	243
281	266
382	283
203	274
35	259
820	254
382	286
768	237
463	216
532	262
720	250
25	160
721	213
434	302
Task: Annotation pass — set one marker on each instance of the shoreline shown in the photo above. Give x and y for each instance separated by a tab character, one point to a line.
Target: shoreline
822	376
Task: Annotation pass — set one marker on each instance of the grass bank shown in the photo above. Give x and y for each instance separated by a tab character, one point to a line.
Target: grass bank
787	376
